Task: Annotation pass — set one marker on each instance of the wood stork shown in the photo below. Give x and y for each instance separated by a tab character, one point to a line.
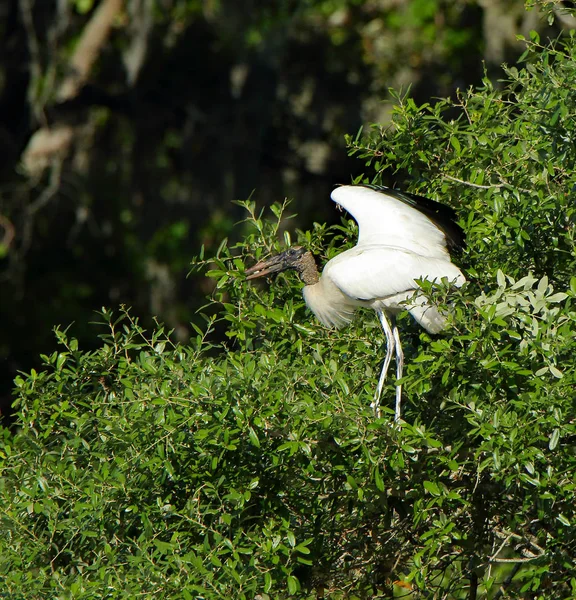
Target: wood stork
402	237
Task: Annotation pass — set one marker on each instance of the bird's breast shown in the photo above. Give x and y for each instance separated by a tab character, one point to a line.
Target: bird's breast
330	306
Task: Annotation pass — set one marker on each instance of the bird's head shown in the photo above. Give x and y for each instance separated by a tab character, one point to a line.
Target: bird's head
296	258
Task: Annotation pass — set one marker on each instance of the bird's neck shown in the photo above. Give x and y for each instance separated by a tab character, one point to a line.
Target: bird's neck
307	269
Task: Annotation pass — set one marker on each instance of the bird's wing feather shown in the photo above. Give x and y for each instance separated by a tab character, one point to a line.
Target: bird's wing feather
443	216
370	273
396	219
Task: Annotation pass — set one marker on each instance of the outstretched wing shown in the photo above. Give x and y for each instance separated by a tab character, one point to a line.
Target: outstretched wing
374	272
392	218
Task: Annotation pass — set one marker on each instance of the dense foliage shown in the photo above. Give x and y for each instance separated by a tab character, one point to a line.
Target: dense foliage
127	127
256	468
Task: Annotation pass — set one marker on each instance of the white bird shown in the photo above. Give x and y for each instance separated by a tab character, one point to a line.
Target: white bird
402	237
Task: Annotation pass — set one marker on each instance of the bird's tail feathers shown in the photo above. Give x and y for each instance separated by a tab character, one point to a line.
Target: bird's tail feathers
429	317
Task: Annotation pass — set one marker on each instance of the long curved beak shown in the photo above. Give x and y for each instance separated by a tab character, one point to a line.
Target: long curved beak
275	264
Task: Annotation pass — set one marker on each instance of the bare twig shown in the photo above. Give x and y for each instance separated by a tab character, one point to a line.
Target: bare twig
463	105
504	182
506	540
515	560
476	185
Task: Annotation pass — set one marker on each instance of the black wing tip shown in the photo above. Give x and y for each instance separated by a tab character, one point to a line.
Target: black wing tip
442	215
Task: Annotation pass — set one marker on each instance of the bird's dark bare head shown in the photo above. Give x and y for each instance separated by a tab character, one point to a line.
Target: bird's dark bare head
289	259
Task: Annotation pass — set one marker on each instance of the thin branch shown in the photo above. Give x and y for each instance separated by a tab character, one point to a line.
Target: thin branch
506	540
515	560
504	182
508	534
476	185
463	105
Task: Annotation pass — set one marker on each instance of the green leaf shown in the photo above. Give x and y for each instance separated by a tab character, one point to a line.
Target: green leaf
378	479
253	437
556	372
293	584
559	297
512	222
554	439
432	488
565	521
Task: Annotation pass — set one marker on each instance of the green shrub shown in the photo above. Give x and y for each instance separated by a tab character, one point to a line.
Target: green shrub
255	468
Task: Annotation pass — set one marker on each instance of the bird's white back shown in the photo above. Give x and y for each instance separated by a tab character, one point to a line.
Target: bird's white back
386	221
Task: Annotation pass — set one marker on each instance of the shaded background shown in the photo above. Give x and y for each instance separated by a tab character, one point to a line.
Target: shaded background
128	127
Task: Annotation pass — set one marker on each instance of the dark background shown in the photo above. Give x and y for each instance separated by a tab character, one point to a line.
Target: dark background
187	106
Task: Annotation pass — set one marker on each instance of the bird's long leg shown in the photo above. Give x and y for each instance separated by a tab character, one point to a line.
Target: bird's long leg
399	368
390	343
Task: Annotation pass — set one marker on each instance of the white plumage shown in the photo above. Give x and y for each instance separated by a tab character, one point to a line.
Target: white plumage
385	220
378	277
401	238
